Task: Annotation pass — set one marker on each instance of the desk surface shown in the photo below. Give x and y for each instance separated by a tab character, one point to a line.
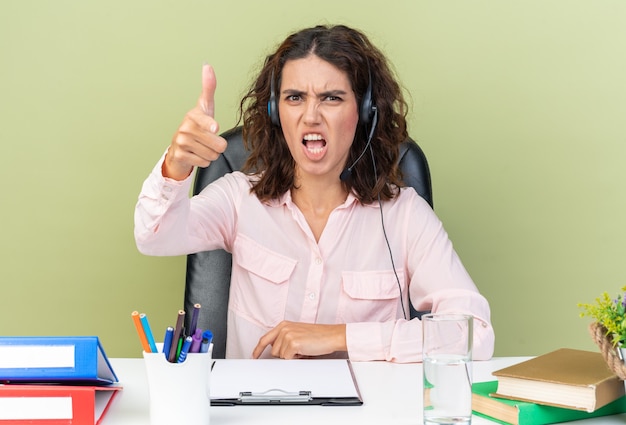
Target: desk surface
392	394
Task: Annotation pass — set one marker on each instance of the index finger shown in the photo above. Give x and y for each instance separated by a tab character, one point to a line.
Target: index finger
207	98
264	342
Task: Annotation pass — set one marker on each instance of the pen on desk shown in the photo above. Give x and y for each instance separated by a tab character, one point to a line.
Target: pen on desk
146	328
207	338
178	330
196	341
140	331
194	319
185	349
167	341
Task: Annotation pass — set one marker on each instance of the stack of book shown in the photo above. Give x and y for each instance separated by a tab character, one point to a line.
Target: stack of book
563	385
59	380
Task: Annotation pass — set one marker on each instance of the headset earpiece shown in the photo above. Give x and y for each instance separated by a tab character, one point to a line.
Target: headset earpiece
367	106
272	104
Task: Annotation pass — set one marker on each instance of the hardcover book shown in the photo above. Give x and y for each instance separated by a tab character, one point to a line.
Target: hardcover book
569	378
517	412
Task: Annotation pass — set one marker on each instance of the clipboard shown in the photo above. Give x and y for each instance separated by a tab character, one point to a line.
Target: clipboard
325	382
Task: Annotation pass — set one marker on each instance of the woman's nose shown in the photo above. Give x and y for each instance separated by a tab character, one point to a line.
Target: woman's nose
311	112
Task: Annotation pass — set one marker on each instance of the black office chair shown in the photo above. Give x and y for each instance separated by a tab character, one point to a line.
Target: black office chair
208	273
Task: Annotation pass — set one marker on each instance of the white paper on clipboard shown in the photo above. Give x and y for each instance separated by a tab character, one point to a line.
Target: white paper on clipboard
325	379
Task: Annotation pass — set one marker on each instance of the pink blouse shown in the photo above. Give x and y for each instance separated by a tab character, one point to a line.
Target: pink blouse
280	272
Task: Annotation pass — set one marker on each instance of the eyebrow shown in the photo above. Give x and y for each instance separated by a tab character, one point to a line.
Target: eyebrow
291	92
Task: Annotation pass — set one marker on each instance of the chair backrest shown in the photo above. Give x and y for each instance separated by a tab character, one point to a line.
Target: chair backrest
208	273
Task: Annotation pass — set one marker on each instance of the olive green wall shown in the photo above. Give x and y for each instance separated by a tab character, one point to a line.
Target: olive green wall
519	105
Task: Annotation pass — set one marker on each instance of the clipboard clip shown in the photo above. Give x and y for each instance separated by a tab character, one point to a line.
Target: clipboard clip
275	396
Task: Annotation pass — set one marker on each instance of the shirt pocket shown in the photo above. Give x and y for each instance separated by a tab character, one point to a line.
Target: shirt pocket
260	282
369	296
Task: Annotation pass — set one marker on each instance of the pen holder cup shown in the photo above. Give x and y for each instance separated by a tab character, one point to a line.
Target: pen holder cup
179	392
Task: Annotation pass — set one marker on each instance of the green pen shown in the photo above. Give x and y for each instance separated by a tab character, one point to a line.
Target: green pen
180	346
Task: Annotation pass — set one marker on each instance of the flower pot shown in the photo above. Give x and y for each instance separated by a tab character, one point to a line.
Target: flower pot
621	352
614	356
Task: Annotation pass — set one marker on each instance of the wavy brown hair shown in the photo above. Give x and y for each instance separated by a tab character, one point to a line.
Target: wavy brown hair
350	51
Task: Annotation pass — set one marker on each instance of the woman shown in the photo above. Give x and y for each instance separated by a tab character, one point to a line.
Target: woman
315	271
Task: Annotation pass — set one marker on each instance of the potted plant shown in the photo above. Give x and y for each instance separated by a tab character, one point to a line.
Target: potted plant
609	328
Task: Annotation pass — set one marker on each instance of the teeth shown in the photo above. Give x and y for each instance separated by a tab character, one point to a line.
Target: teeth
316	151
313	137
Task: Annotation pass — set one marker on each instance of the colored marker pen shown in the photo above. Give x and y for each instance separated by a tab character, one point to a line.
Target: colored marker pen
185	349
197	340
167	341
146	327
194	319
207	338
178	348
178	332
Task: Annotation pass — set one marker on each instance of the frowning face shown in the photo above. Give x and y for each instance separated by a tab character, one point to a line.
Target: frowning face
318	115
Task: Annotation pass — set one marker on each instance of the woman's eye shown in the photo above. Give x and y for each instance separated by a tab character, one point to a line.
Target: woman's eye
294	98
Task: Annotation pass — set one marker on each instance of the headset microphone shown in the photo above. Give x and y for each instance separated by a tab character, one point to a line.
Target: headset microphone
346	174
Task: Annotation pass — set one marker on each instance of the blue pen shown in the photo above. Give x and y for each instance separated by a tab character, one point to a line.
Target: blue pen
185	349
148	331
167	341
207	338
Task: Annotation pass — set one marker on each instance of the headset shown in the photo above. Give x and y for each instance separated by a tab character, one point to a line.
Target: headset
272	104
366	109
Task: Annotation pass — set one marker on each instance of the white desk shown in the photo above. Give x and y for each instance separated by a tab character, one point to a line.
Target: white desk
392	395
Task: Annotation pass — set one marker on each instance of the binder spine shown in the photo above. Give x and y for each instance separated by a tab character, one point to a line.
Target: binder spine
52	359
81	400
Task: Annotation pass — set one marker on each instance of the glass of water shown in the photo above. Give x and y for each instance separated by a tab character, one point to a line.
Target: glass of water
447	377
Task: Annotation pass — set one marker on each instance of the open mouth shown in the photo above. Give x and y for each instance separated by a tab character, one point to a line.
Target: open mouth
314	143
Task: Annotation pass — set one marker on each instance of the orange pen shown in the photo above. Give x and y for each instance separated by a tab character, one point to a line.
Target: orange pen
141	332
